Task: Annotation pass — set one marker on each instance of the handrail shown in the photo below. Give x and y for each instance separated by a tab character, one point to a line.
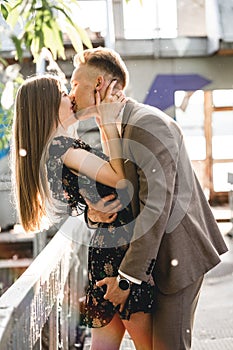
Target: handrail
45	297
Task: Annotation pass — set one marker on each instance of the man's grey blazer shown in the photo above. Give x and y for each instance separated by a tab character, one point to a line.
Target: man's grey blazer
176	238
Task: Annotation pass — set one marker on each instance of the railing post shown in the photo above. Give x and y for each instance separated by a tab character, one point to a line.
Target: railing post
53	327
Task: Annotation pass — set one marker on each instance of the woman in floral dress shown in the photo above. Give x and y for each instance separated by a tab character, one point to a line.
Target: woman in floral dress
60	169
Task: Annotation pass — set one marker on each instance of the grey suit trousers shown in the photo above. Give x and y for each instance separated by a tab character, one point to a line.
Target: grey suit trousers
173	318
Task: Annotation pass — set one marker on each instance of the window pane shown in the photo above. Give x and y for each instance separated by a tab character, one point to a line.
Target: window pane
190	117
222	141
91	14
167	18
222	98
151	19
220	176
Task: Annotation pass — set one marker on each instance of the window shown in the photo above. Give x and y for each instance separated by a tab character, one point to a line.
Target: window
147	20
206	118
150	20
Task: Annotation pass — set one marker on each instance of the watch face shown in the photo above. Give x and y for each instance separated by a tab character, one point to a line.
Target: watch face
124	284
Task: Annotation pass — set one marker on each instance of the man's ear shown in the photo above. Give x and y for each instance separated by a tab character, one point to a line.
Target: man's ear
99	83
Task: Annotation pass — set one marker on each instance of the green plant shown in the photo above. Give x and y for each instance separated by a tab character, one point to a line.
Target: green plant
40	29
42	24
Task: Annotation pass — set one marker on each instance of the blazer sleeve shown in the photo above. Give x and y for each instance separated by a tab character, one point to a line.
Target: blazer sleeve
154	148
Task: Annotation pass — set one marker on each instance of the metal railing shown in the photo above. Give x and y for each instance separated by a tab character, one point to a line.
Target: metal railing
41	309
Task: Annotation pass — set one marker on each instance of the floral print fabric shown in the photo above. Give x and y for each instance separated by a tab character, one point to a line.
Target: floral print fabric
109	241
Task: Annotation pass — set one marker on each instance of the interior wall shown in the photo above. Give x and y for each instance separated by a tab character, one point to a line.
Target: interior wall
217	69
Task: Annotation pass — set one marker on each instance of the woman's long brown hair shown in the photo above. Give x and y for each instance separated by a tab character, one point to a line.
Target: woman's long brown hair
36	116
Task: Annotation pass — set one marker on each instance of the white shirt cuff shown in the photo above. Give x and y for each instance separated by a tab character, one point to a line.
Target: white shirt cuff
131	279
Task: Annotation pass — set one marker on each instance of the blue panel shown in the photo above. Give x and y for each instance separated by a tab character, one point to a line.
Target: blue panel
161	93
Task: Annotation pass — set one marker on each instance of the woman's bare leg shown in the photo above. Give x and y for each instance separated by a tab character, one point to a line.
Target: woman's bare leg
139	328
108	337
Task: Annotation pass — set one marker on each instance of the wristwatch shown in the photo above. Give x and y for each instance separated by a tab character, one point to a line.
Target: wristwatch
123	283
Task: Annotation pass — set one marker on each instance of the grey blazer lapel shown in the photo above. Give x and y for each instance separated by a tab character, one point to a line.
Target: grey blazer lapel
126	115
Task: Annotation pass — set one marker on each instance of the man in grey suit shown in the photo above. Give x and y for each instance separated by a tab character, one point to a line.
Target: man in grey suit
176	239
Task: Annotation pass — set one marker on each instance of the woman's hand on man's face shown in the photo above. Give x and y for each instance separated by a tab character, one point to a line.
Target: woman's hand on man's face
110	106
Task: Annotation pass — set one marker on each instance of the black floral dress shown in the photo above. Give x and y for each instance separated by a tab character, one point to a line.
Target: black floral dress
109	241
